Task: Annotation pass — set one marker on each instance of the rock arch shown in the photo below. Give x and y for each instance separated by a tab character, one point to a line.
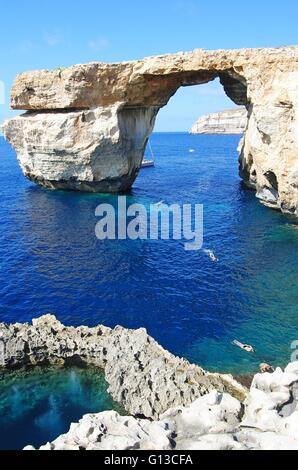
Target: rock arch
86	126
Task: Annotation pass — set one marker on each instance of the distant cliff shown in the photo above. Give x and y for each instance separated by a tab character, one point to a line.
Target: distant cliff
232	121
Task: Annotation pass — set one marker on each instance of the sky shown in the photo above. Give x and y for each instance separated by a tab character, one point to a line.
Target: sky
47	34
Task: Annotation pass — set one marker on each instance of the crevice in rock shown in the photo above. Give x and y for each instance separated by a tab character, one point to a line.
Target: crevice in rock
235	86
272	178
35	112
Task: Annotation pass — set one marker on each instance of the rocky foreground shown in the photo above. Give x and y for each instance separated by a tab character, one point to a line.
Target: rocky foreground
231	121
87	126
172	404
267	420
142	376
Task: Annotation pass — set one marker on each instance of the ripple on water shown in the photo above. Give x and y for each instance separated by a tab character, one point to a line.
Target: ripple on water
37	405
52	262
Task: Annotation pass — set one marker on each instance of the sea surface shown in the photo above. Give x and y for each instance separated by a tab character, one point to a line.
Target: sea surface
51	260
38	405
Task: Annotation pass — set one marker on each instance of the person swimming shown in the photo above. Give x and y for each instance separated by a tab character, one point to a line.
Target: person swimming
246	347
266	368
211	255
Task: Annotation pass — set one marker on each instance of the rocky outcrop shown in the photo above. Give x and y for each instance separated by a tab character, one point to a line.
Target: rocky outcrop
268	420
268	151
142	376
90	123
110	431
231	121
96	150
191	408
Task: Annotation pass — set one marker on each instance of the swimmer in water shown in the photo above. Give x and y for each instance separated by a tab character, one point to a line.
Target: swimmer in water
266	368
211	255
245	347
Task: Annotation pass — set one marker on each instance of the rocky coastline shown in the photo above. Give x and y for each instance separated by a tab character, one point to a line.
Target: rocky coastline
98	118
231	121
171	403
143	377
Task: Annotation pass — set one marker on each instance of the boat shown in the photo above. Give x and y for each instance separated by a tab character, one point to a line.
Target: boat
149	163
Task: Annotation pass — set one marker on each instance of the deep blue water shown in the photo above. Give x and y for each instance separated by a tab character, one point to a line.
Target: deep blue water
38	405
52	262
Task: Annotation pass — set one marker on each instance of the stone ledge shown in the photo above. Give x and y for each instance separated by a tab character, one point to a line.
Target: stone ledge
143	377
268	420
231	121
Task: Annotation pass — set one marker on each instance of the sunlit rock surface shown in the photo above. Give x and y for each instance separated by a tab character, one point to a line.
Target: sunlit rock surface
231	121
268	420
188	407
98	150
146	379
92	121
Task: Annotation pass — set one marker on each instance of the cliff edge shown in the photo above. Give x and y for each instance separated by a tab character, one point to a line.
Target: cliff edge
231	121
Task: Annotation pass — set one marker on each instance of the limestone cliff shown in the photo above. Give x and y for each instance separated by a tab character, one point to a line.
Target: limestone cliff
231	121
267	420
142	376
87	125
188	407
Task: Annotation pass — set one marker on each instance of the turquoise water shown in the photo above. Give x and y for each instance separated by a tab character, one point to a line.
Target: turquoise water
38	405
51	260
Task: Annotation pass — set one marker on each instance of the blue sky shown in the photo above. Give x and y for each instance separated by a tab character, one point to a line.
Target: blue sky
47	34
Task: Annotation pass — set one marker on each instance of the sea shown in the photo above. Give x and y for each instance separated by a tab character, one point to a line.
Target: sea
52	262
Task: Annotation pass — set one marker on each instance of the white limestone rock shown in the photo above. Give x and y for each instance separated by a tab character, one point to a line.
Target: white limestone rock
292	368
191	408
142	376
214	413
271	408
93	120
211	442
110	431
254	439
96	150
268	159
215	421
231	121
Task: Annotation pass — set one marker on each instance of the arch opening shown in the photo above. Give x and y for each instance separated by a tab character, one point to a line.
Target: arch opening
190	102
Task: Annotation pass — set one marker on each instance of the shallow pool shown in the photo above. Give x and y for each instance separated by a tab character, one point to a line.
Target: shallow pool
38	405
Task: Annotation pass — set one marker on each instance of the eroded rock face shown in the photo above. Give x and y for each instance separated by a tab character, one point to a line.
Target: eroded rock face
110	431
269	151
142	376
121	100
98	150
191	408
216	421
231	121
